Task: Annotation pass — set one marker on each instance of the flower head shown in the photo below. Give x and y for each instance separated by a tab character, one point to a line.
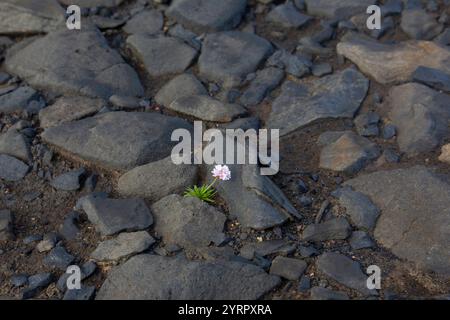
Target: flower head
221	172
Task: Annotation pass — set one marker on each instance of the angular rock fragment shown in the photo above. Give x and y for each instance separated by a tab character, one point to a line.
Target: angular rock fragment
333	229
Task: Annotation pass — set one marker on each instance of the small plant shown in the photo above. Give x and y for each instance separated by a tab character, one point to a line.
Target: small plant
207	193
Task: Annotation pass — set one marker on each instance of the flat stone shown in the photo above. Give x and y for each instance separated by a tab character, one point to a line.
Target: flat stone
420	25
117	140
414	220
123	246
67	109
180	86
360	240
404	57
87	67
345	271
227	57
288	268
105	23
280	247
92	3
58	258
69	181
294	64
83	294
322	69
319	293
36	284
207	108
421	116
203	16
30	17
188	222
445	154
433	78
145	22
19	280
150	277
287	16
340	9
335	96
266	80
362	212
17	100
350	153
333	229
158	179
6	225
12	169
14	144
111	216
161	56
125	102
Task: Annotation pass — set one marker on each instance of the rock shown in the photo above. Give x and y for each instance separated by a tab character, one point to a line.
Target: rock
388	156
30	17
304	284
360	240
433	78
117	140
58	258
266	80
287	16
188	222
48	243
35	284
391	7
6	225
367	124
180	86
329	137
345	271
207	108
281	247
32	238
67	109
322	69
105	23
420	25
362	212
444	38
404	58
308	251
111	216
288	268
69	181
17	100
421	116
145	22
157	180
337	9
293	64
414	204
333	229
87	67
227	57
14	144
93	3
161	56
12	169
125	102
150	277
350	153
319	293
207	16
85	293
187	36
336	96
19	280
125	245
69	229
445	154
389	131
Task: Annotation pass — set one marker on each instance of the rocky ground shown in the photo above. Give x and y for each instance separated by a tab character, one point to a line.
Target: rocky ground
86	177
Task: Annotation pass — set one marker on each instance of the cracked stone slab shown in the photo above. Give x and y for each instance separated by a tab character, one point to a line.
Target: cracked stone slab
74	63
415	214
403	58
117	140
151	277
335	96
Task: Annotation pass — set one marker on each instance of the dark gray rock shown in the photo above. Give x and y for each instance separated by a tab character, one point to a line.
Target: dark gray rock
293	64
14	144
207	16
420	25
391	7
36	284
145	22
389	131
188	222
58	258
322	69
151	277
433	78
187	36
87	67
111	216
304	284
85	293
414	206
362	212
319	293
367	124
345	271
117	140
69	181
333	229
280	247
336	96
287	16
69	229
125	102
360	240
12	169
308	251
266	80
288	268
227	57
92	3
17	100
337	9
19	280
161	56
444	38
180	86
6	225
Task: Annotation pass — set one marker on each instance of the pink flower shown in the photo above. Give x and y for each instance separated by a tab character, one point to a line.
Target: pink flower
221	172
